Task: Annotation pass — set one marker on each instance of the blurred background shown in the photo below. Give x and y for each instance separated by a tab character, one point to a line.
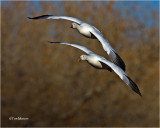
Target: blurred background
45	83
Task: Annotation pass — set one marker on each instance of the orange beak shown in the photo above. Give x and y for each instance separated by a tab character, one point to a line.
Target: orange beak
71	26
79	59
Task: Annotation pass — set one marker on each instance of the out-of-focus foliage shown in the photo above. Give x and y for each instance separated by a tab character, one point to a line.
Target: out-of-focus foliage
45	83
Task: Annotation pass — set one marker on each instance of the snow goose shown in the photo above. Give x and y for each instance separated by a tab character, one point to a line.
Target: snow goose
91	32
100	62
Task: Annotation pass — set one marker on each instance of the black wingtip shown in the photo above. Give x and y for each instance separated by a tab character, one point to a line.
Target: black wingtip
121	62
139	93
29	17
53	42
32	18
118	60
40	17
134	87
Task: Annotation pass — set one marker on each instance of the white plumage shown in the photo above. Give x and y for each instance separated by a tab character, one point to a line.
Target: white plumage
101	63
91	32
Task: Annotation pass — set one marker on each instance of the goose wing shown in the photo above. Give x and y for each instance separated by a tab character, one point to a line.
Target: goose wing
122	75
57	17
84	49
116	59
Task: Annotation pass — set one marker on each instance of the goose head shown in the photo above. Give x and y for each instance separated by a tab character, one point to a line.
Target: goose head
82	57
74	25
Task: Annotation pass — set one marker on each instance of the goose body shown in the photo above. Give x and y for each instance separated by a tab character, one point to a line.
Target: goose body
93	61
85	29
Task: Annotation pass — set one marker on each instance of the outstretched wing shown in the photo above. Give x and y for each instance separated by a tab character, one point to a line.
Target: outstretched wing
57	17
76	46
122	75
116	59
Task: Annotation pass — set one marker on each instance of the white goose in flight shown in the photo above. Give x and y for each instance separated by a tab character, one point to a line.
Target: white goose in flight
91	32
100	62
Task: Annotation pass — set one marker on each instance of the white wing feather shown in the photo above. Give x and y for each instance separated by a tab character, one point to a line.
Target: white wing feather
58	17
84	49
